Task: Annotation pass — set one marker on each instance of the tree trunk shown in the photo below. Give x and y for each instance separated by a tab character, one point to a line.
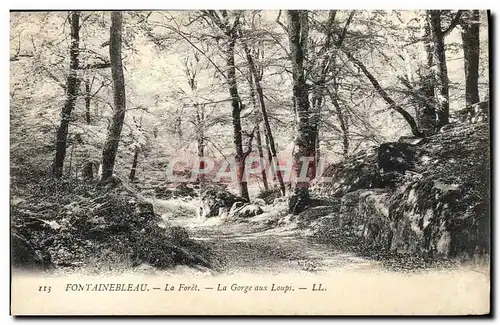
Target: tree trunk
200	137
306	137
200	140
134	165
442	89
115	54
258	137
87	101
319	83
88	171
470	39
265	118
343	125
270	157
71	158
236	111
72	85
426	115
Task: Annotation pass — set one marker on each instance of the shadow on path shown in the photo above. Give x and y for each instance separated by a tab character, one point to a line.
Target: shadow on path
252	246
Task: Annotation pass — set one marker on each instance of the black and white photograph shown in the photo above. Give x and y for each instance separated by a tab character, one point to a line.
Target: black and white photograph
250	162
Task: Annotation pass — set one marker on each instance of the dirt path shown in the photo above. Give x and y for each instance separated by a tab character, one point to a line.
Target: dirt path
255	252
253	246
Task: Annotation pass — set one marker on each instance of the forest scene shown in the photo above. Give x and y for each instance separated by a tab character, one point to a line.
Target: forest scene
255	140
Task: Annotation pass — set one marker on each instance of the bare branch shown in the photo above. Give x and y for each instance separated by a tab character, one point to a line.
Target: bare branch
178	32
454	22
409	119
280	23
344	31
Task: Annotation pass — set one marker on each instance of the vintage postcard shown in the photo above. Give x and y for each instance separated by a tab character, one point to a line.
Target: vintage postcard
250	162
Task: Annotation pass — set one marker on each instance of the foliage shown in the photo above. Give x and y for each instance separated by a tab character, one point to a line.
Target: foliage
76	224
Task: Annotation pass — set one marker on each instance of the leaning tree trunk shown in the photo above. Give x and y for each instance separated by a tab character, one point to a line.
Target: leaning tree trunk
265	118
133	170
236	111
258	136
87	101
305	139
344	126
470	39
260	151
442	89
115	54
200	139
388	99
72	85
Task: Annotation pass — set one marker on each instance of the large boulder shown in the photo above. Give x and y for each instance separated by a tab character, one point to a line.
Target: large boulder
83	224
235	207
308	216
429	197
181	190
270	195
260	202
384	166
213	199
365	214
245	211
395	157
437	219
357	172
24	255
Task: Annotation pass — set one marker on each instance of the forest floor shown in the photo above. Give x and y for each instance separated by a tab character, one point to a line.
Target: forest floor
258	251
254	246
258	245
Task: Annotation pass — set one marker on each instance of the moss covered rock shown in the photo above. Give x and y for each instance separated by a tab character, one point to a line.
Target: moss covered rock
436	204
213	199
83	223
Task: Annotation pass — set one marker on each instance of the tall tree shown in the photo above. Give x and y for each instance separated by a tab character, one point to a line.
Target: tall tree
470	40
267	127
442	82
442	89
191	70
72	85
88	98
230	31
115	129
327	66
298	29
258	137
319	79
137	149
426	114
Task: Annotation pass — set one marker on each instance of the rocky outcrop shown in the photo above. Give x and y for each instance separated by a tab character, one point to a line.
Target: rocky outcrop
214	199
307	216
365	214
245	211
270	195
87	224
25	255
436	202
181	190
377	167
